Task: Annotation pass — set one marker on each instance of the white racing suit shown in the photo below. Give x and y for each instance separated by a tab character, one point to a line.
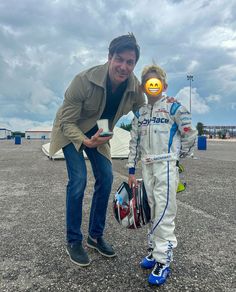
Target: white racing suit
160	135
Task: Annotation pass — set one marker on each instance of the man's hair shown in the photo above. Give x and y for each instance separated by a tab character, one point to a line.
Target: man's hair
124	42
161	74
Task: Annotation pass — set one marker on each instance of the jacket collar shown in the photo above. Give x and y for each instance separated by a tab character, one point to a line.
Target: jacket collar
99	77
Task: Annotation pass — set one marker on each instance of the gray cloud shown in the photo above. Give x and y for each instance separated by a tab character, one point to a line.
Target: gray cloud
44	44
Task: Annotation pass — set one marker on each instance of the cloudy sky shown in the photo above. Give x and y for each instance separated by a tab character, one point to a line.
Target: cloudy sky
43	44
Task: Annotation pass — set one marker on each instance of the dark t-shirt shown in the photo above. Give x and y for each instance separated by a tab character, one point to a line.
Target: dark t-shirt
112	103
113	99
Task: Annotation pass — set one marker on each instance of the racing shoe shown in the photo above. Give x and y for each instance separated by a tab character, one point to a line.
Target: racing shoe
159	274
148	262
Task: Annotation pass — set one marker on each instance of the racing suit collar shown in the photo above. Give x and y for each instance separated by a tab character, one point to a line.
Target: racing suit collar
156	102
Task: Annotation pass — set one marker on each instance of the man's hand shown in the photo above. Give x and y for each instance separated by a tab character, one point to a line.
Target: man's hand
132	181
96	140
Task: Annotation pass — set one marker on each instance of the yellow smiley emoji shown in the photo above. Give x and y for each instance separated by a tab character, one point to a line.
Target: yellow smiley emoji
153	86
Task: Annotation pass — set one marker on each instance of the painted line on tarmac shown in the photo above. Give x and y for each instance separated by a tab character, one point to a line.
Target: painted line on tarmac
206	215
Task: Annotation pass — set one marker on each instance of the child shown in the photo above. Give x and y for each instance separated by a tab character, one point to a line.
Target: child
161	134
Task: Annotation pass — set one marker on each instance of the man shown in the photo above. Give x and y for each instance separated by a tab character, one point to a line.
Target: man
106	91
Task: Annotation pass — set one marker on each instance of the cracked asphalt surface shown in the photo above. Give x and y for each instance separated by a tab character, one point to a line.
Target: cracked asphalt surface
32	227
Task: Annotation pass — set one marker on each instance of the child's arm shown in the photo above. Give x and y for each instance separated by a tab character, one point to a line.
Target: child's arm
188	133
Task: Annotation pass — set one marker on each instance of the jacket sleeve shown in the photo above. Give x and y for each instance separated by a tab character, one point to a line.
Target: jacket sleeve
139	101
71	110
188	133
134	145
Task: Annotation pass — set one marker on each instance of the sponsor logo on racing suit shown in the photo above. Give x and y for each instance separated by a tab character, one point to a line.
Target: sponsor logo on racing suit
153	121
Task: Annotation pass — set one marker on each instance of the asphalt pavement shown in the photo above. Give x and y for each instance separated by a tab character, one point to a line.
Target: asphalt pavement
32	227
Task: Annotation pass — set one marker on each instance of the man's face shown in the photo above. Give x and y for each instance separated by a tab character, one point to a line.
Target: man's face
121	65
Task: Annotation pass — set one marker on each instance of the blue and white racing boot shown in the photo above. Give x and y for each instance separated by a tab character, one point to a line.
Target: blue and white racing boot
148	262
159	274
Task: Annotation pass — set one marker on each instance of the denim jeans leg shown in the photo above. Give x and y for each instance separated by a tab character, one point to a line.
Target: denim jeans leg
77	175
102	170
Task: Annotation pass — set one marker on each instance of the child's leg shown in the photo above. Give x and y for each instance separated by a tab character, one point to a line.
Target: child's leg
148	262
149	237
148	179
164	193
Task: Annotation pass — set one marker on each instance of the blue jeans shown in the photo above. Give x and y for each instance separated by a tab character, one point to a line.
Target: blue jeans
77	174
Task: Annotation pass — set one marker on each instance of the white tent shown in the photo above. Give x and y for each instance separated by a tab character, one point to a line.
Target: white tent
119	145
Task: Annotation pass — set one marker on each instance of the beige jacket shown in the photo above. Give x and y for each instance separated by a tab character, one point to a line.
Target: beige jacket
83	105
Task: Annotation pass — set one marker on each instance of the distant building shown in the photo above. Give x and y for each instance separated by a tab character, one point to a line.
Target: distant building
38	133
222	131
5	133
